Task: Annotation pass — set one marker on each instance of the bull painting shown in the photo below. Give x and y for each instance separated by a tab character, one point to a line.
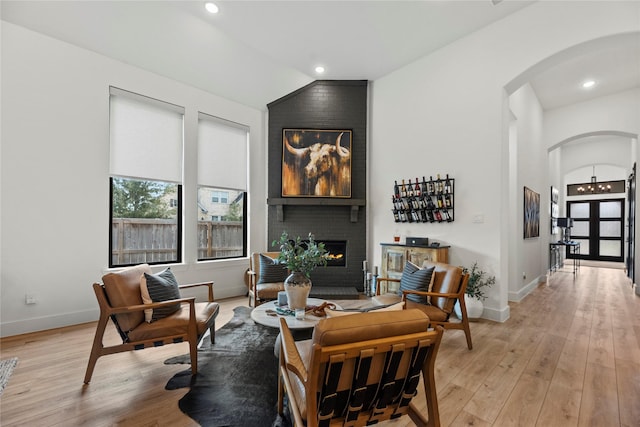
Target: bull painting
316	163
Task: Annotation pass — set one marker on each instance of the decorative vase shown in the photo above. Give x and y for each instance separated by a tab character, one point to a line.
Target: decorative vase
297	286
475	307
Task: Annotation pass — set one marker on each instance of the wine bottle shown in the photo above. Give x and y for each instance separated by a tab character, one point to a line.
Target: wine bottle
447	201
447	185
403	190
430	189
438	216
439	186
425	190
416	188
396	189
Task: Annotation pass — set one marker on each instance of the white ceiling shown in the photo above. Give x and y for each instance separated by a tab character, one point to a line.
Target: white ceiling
255	52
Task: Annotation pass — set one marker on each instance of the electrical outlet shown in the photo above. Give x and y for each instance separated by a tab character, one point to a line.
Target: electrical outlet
29	299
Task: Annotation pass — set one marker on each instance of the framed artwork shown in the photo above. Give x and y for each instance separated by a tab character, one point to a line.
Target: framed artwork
316	163
555	211
531	213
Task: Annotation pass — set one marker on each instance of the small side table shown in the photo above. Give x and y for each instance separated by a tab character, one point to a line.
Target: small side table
573	248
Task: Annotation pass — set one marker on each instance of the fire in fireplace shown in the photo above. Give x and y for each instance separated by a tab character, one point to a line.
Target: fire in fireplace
337	250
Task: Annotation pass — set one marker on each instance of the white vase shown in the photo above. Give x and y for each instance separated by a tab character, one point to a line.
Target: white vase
297	286
475	307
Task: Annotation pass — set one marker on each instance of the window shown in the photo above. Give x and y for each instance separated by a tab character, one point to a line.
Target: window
146	140
222	184
220	197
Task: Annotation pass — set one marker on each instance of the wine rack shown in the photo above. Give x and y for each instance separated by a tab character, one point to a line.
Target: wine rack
424	201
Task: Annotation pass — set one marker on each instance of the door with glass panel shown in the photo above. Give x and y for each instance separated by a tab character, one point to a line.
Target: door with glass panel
598	225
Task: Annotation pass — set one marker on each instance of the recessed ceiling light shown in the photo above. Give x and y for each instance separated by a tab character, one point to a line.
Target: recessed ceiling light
211	7
588	84
319	69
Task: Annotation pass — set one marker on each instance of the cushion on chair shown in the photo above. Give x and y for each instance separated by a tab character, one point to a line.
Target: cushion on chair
159	287
435	313
392	307
177	323
447	280
271	271
123	289
415	278
369	326
269	290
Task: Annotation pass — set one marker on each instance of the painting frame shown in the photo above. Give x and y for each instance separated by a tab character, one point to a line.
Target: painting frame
316	163
531	214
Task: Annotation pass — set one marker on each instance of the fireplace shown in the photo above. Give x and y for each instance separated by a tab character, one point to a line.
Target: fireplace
337	250
339	223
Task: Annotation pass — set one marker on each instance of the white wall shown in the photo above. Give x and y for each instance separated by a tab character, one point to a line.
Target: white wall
445	114
55	179
619	113
529	263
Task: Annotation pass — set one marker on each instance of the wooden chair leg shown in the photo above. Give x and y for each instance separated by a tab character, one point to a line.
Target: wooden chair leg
465	322
193	352
96	349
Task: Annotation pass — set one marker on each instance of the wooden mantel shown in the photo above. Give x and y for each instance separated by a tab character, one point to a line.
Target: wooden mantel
280	202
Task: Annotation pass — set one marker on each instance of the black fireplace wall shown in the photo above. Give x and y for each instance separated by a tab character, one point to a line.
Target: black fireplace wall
329	105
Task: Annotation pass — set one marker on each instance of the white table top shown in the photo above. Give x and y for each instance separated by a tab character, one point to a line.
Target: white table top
259	315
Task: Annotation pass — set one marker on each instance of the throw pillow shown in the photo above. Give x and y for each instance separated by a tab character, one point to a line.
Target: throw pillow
159	287
336	313
271	271
415	278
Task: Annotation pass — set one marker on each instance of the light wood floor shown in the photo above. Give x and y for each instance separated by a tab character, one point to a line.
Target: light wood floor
568	356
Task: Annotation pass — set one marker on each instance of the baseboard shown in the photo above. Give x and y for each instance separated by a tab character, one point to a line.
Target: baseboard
37	324
496	315
526	290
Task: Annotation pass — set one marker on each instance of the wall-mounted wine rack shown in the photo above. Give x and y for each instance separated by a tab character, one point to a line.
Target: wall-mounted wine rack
424	201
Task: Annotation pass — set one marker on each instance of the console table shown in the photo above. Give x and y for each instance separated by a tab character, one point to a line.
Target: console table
555	259
395	256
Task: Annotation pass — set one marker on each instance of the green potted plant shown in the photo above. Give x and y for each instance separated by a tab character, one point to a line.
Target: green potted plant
300	257
479	283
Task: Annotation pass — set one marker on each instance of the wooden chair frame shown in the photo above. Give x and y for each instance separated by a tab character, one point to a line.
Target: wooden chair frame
459	296
107	312
254	277
291	361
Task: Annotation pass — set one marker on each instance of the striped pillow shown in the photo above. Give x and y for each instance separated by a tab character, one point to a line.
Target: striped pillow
415	278
271	271
158	287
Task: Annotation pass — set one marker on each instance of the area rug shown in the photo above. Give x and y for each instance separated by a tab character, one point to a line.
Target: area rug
236	383
6	369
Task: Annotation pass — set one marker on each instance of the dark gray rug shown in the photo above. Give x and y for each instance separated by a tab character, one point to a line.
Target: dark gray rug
237	383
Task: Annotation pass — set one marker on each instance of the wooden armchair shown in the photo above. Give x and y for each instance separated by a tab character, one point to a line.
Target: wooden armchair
119	297
449	286
360	369
261	289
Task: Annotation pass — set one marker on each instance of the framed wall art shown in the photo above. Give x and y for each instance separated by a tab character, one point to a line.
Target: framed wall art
555	210
531	213
316	163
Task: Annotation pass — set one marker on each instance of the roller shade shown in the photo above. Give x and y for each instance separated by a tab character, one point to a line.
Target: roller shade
146	137
222	153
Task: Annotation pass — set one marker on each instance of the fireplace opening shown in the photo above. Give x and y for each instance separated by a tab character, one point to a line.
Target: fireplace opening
337	250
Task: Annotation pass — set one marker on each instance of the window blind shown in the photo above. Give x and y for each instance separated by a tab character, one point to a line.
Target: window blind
222	153
146	137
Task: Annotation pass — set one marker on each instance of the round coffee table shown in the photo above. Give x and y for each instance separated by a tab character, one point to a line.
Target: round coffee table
300	329
260	315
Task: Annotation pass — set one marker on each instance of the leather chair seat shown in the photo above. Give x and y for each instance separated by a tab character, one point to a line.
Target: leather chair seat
270	290
177	323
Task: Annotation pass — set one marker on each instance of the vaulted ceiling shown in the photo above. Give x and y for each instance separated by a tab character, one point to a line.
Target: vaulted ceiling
255	52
